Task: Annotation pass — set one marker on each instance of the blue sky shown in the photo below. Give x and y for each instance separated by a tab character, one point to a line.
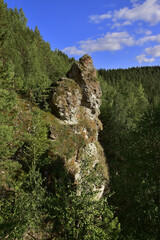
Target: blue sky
116	33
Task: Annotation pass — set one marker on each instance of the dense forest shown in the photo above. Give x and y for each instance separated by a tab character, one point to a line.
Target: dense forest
131	138
37	197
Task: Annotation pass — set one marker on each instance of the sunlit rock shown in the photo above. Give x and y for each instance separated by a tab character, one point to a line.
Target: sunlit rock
76	101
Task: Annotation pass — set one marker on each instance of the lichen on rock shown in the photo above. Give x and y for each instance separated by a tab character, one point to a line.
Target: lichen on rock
84	74
66	100
76	101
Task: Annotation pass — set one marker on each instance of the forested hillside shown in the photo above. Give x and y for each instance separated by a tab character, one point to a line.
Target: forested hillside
148	77
38	199
38	150
130	115
27	62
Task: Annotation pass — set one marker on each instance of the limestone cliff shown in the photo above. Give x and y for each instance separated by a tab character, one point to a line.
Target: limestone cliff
75	101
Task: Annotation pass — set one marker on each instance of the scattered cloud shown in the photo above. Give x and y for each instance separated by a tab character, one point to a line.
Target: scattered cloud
136	2
133	1
148	11
110	42
151	38
148	32
99	18
142	58
141	11
120	25
73	51
153	51
114	41
143	31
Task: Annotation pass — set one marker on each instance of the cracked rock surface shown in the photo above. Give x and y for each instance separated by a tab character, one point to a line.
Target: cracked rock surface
76	101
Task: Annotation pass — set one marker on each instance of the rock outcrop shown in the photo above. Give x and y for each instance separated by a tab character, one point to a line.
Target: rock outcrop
76	101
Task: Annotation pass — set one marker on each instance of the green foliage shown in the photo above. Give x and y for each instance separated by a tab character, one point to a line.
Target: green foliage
27	63
8	100
147	76
35	139
130	116
122	107
139	177
8	141
23	212
80	217
143	158
67	142
21	184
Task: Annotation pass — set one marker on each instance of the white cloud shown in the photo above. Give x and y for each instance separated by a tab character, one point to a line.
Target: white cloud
74	51
126	23
143	31
110	42
99	18
142	58
135	2
152	38
148	11
115	41
154	51
148	32
119	25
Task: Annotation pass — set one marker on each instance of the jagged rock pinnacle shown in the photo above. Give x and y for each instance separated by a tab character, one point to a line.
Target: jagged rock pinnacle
76	101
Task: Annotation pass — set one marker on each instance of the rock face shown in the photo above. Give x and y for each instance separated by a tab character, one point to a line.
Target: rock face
66	100
84	75
75	101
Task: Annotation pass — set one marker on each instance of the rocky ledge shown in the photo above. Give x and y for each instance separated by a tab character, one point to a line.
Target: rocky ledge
75	101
